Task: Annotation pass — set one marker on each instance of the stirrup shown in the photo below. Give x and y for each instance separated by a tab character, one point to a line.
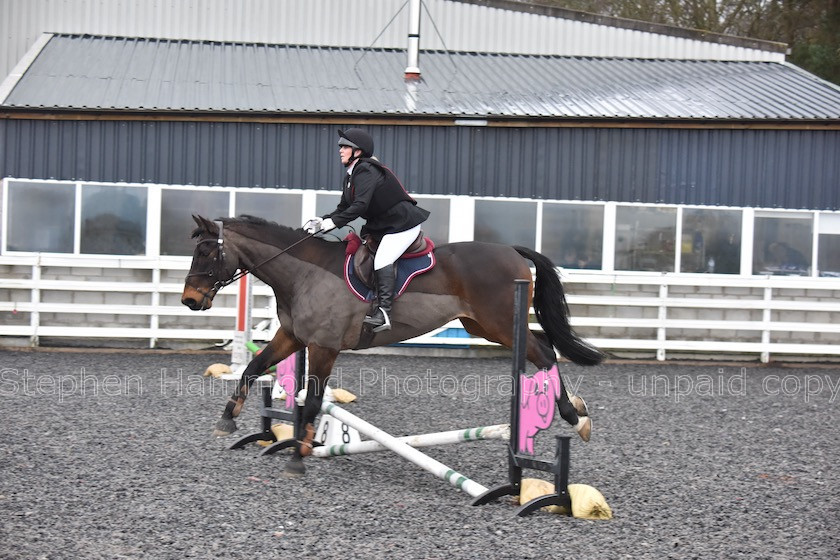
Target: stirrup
378	324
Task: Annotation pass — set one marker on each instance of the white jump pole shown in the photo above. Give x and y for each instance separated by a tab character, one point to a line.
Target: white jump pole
405	451
499	431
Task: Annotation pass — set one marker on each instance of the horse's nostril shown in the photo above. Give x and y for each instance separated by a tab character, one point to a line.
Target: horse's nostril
189	302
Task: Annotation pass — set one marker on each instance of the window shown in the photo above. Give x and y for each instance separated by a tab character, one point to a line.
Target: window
437	226
573	234
176	223
644	238
711	241
828	259
283	208
829	255
113	220
41	217
507	222
326	204
782	243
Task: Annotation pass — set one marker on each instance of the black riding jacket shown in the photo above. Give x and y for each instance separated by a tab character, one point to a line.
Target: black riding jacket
374	193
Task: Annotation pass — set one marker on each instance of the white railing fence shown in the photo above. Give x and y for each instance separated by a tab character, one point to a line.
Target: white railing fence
44	297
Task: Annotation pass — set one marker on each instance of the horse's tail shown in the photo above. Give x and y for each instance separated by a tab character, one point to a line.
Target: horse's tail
552	312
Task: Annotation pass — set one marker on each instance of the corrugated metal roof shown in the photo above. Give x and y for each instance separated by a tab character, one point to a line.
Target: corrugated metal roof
112	73
461	25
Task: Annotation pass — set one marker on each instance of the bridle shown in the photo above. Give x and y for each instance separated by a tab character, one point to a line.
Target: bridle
218	266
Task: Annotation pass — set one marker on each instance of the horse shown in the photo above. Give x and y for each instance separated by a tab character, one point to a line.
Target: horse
471	281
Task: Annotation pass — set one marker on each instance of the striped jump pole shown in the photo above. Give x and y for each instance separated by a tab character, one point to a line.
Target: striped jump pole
405	451
240	355
499	431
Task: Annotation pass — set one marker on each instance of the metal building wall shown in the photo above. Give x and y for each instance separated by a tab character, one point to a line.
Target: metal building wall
749	168
357	23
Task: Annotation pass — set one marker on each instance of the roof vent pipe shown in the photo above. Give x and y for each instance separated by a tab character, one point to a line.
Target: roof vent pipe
412	71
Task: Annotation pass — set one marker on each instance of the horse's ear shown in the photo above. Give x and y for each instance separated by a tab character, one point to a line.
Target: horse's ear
205	224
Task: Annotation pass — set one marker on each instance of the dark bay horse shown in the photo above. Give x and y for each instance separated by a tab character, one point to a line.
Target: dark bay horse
472	282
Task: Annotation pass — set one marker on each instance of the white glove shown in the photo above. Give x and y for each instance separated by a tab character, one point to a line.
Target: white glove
327	224
313	225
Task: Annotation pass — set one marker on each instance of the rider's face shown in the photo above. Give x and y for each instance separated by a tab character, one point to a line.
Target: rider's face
345	153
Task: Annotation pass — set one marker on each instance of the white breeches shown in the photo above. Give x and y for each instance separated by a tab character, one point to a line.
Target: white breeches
393	245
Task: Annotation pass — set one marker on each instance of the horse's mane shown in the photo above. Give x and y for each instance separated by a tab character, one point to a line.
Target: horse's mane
259	229
253	224
264	230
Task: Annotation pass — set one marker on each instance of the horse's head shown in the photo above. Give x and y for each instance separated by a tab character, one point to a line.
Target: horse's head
212	267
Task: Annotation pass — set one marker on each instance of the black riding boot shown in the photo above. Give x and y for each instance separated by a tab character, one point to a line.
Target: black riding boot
379	319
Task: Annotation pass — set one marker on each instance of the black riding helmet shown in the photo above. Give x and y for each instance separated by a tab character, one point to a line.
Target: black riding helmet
356	138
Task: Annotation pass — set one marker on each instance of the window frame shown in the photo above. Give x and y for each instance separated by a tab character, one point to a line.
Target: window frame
461	221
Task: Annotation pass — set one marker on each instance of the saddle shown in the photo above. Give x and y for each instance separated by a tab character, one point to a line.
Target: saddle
363	256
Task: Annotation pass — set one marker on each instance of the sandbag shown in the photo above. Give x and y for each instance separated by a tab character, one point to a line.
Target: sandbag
216	370
281	432
342	396
587	502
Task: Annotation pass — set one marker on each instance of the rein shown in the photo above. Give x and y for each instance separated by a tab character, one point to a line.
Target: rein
243	272
219	259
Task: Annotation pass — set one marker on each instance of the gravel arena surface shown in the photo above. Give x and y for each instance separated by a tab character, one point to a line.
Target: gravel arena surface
109	455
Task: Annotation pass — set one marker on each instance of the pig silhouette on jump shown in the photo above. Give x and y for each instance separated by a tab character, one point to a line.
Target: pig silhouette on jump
537	397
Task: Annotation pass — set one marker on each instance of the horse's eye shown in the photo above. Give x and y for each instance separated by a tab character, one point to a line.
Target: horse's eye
204	249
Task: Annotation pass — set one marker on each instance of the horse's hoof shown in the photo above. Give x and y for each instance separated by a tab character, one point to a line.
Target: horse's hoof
224	427
295	468
584	427
580	405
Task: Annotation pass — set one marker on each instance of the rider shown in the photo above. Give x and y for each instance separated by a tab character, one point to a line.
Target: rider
372	191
